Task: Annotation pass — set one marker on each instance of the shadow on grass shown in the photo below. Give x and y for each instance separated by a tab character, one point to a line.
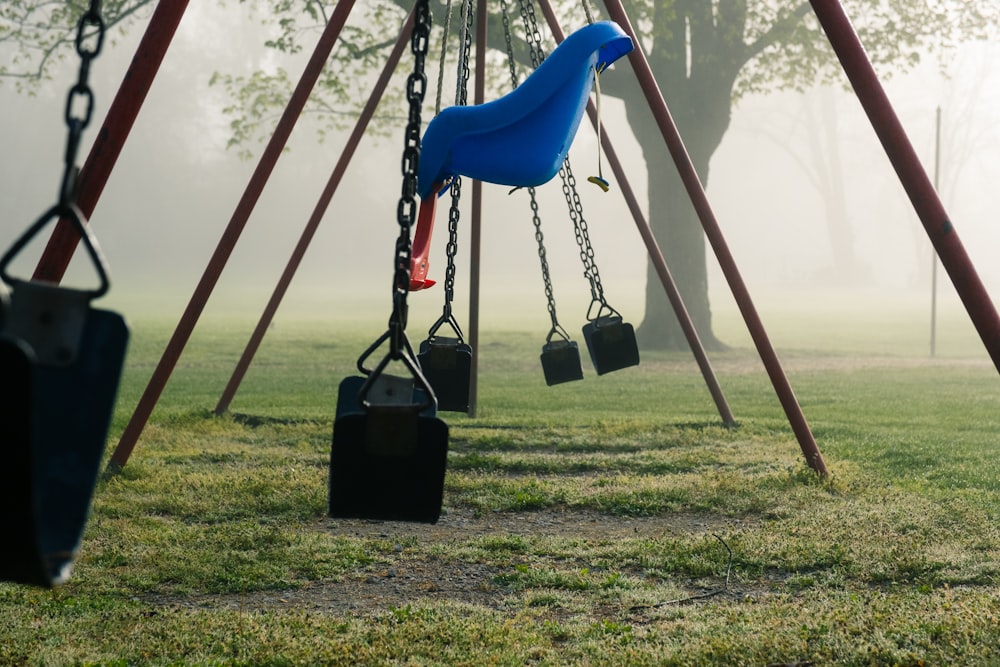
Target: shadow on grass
256	421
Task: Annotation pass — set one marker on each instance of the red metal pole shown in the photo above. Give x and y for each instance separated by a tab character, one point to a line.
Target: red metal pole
672	138
231	235
108	146
652	247
317	215
475	237
911	174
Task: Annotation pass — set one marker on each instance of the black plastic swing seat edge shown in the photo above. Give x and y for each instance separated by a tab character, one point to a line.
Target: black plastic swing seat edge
54	437
561	362
447	365
386	463
611	343
368	484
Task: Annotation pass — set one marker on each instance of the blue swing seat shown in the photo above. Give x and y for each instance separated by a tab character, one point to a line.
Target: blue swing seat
521	139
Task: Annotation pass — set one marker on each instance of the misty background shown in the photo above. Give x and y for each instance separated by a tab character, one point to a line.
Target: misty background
176	185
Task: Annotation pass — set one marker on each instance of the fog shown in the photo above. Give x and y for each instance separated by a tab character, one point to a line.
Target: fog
176	185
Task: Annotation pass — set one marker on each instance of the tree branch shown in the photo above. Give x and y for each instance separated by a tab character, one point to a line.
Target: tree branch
774	34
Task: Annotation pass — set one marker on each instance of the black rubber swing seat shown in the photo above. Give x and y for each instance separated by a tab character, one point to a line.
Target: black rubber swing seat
447	364
60	365
561	361
388	459
57	395
611	343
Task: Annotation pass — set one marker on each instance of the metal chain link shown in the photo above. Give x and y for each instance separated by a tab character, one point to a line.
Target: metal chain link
416	88
580	230
462	84
546	278
527	15
533	37
454	213
444	51
81	91
508	43
573	202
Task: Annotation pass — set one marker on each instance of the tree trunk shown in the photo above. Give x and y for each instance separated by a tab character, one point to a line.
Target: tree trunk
702	124
823	136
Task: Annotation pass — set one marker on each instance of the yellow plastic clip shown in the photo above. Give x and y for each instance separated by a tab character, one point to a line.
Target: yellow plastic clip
599	182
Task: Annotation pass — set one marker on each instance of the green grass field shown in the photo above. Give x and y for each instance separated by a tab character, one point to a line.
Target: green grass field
612	521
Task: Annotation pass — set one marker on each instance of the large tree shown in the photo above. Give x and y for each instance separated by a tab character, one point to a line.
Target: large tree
705	54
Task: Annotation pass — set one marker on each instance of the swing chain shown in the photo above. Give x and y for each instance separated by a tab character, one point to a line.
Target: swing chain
534	38
582	234
546	278
568	180
509	44
462	83
416	87
527	15
89	40
452	247
90	19
444	50
454	214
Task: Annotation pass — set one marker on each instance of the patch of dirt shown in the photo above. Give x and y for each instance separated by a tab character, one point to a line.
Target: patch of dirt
415	575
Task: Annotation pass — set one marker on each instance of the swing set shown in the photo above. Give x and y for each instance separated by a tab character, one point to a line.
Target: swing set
61	359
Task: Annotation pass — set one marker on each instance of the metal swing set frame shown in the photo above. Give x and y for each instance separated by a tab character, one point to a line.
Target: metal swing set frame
842	36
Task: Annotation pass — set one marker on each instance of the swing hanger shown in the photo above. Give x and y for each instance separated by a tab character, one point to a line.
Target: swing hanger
377	375
603	310
61	211
81	91
89	41
399	345
62	362
560	358
71	304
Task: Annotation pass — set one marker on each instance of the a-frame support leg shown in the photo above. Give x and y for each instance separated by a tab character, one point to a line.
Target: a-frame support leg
476	235
252	192
110	140
911	174
688	174
314	220
652	247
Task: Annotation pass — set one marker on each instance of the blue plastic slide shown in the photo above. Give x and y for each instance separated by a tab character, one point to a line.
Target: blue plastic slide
522	138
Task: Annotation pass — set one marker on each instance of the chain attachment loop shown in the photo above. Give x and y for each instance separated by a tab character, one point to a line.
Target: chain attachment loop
90	27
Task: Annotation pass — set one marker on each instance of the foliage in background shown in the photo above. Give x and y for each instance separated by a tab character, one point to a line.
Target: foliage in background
705	56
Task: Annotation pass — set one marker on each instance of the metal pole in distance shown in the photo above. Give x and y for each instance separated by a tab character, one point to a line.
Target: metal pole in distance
652	247
230	236
108	146
476	236
689	176
911	174
314	220
934	262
